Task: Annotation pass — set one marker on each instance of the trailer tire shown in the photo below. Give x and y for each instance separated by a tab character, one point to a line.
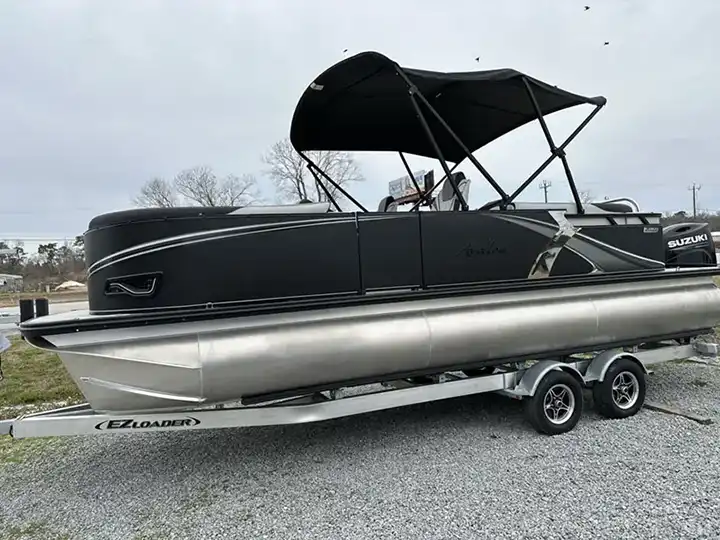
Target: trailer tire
557	404
622	392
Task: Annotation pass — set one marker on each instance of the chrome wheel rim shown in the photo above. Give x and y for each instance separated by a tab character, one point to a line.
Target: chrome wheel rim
625	390
559	404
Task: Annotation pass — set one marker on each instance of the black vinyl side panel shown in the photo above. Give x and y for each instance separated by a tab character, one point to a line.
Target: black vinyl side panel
643	240
571	264
155	260
109	239
250	258
390	251
470	247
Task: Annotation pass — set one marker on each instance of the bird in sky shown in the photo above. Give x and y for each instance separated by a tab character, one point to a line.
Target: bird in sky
477	59
607	42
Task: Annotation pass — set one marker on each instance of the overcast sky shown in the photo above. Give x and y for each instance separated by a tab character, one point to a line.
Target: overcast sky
96	97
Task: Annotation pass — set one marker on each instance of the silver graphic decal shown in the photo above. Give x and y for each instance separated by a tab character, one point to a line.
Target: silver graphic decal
602	256
545	261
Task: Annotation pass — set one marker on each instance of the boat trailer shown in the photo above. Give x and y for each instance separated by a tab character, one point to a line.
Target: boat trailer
552	390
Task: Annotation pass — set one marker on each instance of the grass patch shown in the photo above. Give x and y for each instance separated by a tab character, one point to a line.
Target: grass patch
33	378
17	451
30	531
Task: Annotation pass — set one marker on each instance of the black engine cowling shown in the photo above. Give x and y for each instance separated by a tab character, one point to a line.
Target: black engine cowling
688	245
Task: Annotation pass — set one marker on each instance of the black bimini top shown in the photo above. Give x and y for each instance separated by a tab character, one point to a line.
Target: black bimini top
363	104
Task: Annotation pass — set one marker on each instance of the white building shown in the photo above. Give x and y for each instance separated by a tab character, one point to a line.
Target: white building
10	282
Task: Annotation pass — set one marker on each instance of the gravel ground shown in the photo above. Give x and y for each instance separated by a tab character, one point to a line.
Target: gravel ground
466	468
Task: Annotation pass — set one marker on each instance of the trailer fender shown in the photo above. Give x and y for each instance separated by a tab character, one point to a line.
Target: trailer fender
534	375
601	363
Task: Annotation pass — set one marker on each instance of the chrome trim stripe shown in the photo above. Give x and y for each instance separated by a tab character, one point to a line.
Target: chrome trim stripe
127	389
216	234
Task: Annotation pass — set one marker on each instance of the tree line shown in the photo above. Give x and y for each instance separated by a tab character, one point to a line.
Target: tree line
53	263
287	170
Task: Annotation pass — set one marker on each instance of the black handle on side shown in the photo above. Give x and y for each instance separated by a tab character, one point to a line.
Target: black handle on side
136	285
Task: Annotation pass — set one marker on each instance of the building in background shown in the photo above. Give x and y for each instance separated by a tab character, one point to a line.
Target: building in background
11	283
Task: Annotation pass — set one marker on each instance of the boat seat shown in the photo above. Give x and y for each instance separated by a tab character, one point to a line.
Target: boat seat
303	207
612	206
137	215
388	204
447	200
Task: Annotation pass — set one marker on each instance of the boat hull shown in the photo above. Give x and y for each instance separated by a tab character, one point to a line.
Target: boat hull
185	364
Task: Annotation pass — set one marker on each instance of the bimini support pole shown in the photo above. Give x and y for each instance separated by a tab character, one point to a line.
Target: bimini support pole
410	174
415	92
337	186
554	150
560	150
433	142
324	188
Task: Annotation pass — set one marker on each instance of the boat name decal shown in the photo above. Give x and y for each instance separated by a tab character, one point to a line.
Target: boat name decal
489	249
131	423
688	240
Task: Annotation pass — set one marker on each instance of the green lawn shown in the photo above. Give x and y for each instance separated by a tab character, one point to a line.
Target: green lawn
33	377
34	380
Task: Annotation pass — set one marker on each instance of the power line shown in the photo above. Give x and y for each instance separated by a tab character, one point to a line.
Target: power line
694	188
545	185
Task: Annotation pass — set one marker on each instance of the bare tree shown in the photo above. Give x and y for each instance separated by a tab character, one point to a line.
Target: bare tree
294	182
157	192
199	186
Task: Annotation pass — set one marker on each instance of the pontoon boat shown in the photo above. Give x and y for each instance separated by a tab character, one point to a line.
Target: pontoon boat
199	306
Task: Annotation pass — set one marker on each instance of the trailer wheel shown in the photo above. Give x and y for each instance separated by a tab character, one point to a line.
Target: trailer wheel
557	404
622	393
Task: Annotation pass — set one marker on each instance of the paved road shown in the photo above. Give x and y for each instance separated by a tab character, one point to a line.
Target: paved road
11	315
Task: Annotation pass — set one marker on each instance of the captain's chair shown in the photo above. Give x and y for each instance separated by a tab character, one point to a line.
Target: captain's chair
620	205
447	199
388	204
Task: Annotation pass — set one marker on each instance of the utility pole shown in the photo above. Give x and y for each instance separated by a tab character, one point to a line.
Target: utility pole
694	188
545	185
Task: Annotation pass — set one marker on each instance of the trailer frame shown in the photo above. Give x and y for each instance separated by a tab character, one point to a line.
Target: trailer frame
534	383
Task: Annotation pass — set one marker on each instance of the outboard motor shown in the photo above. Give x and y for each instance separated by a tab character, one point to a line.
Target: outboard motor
688	245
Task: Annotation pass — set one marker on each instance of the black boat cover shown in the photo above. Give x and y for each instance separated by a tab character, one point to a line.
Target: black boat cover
363	104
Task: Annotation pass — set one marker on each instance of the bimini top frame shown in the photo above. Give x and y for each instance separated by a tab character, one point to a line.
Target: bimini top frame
370	103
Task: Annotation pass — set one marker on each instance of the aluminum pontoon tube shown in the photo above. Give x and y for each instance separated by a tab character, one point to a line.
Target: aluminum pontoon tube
184	364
